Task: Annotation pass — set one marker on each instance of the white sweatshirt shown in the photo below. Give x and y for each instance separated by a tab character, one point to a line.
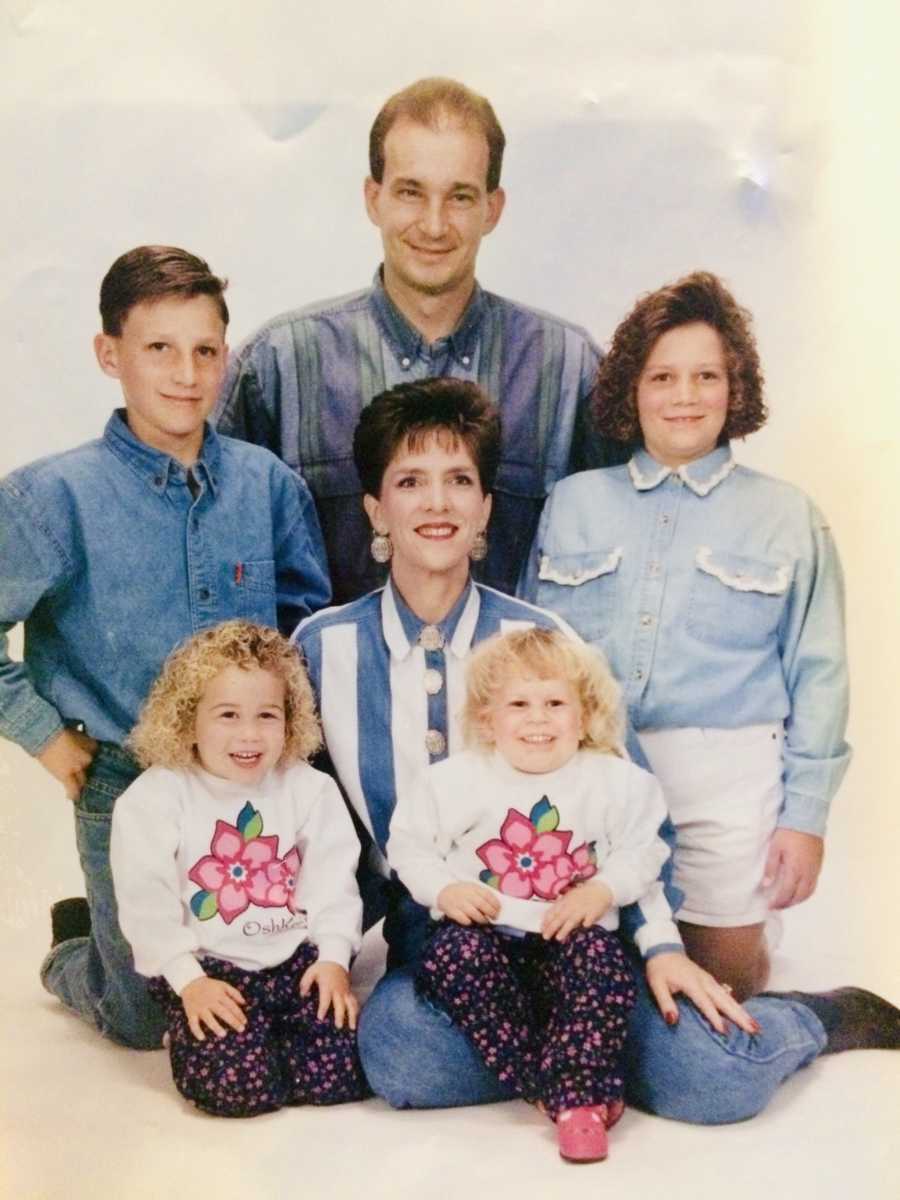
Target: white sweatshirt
474	817
202	865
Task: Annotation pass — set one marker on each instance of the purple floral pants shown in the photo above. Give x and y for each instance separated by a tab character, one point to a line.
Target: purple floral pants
284	1055
549	1018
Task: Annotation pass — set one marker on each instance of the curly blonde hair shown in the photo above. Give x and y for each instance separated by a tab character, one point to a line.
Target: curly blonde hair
164	734
539	653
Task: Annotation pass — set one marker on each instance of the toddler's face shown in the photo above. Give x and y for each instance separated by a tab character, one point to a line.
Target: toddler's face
239	728
535	724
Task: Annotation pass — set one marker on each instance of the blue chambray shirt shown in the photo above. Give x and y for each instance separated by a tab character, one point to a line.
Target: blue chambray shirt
300	383
717	595
110	561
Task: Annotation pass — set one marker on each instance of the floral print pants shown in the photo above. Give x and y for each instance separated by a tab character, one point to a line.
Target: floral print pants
549	1018
285	1055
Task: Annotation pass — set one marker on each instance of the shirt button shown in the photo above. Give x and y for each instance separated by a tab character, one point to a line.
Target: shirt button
646	620
638	674
203	593
664	519
434	681
405	363
195	524
159	481
435	742
654	569
466	360
431	638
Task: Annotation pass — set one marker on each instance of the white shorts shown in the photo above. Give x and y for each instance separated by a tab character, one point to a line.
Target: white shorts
724	791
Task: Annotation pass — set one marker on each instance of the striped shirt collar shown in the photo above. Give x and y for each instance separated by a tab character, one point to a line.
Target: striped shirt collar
406	341
701	475
402	627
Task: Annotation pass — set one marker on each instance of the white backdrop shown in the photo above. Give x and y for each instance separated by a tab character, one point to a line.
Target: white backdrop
645	139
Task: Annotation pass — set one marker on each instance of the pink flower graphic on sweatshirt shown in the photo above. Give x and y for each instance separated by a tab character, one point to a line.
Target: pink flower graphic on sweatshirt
242	868
531	857
280	879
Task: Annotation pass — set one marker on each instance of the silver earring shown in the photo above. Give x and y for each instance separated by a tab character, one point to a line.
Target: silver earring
479	546
381	548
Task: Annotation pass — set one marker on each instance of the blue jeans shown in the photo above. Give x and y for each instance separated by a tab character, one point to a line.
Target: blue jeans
95	976
414	1057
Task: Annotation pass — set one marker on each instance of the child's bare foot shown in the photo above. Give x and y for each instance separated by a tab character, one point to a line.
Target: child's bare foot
581	1133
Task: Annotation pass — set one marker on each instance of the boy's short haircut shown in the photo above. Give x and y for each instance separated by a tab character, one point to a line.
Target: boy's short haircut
540	653
430	102
451	410
164	734
147	274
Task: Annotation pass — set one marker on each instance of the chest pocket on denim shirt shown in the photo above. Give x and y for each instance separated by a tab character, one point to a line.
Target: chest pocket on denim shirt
255	588
736	600
582	588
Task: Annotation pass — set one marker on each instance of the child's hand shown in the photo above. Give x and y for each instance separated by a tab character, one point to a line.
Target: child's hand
207	1002
67	757
671	973
333	983
583	904
468	903
793	865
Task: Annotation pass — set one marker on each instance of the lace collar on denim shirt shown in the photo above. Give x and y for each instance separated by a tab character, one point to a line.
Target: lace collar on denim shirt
402	628
406	341
156	468
701	475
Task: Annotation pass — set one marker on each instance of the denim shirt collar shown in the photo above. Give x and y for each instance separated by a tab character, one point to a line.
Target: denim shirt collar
153	466
402	627
701	475
405	340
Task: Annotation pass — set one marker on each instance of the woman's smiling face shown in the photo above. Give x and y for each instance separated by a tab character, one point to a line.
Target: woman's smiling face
432	505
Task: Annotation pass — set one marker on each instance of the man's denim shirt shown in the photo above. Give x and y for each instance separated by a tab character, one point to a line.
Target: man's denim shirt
716	593
111	561
300	383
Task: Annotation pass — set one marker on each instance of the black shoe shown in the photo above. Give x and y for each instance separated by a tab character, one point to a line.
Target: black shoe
70	919
854	1019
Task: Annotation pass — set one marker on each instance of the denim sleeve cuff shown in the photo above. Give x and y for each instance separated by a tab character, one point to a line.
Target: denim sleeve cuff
181	971
35	727
805	814
335	950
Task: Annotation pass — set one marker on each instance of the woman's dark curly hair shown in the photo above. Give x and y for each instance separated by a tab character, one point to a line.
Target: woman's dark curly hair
699	296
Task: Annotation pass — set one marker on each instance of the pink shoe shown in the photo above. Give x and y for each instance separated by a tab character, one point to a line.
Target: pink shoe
581	1134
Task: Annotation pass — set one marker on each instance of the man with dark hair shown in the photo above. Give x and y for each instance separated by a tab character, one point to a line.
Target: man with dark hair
299	384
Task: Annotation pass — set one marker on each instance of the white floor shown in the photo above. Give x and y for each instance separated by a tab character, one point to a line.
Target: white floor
84	1118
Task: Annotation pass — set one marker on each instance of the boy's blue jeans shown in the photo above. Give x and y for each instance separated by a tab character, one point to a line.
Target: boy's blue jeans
414	1057
95	976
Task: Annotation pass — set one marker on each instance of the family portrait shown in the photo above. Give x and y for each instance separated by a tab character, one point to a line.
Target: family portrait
446	598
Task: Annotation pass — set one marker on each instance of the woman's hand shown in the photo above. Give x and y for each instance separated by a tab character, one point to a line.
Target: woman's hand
582	905
793	865
333	983
671	973
468	903
207	1002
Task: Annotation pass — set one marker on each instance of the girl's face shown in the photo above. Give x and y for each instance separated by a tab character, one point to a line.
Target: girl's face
239	728
682	394
535	724
432	505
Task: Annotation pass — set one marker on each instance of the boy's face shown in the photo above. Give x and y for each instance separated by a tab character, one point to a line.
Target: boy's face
535	724
169	359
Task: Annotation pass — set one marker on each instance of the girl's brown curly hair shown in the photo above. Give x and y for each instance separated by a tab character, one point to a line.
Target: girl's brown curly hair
699	296
539	653
164	734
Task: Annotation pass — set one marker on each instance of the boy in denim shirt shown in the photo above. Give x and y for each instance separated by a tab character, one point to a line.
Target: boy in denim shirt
113	553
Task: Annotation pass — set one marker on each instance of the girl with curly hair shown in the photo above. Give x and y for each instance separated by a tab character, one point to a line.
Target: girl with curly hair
524	847
716	593
234	868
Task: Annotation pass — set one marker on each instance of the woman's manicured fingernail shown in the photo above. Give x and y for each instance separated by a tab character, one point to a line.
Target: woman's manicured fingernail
671	1018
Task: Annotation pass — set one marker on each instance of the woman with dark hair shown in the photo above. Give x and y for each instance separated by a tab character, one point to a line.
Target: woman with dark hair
388	672
716	593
